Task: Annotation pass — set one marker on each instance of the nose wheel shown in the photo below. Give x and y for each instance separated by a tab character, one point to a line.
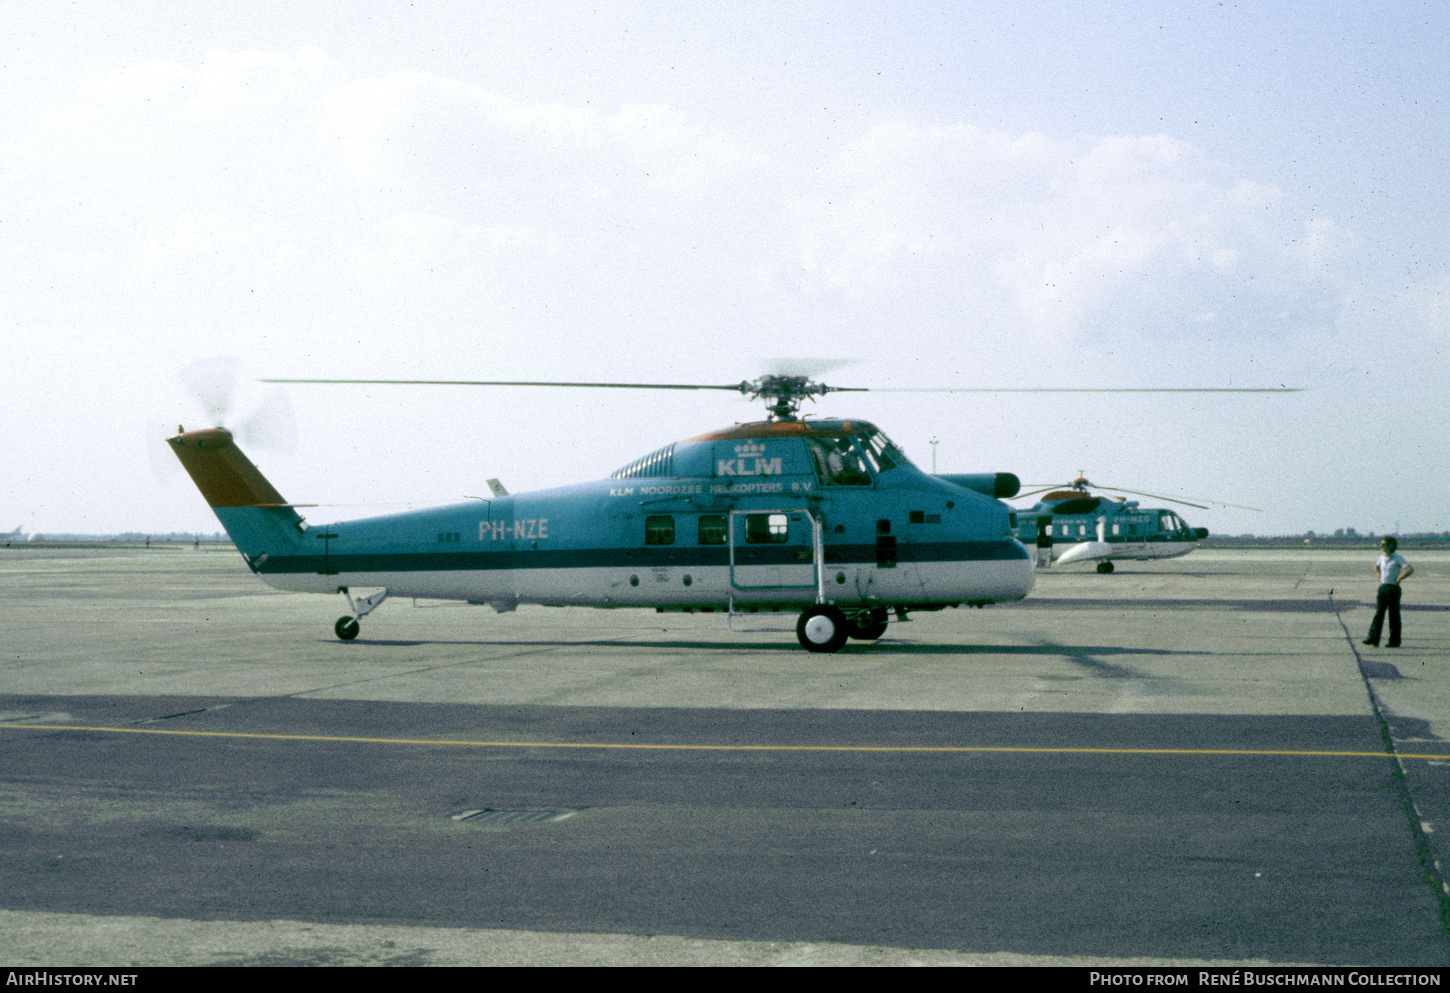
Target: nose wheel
347	628
822	628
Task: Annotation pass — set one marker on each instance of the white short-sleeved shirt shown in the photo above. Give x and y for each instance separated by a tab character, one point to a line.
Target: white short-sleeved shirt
1391	566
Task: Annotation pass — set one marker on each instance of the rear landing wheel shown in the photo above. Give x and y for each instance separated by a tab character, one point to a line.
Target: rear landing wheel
822	629
1105	567
868	625
347	628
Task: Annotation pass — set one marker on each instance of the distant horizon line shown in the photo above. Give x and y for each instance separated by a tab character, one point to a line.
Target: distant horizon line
218	537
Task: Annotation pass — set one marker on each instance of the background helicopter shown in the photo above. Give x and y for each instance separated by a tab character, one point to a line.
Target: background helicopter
825	517
1070	524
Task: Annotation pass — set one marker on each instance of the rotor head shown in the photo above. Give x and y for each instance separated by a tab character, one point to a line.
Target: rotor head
783	395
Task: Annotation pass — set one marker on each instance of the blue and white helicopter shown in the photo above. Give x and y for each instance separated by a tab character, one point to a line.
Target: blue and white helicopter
1070	524
825	517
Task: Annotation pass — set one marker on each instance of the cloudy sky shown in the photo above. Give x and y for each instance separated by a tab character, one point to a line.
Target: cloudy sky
970	194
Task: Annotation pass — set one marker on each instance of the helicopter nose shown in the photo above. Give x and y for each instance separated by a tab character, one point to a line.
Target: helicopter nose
1201	532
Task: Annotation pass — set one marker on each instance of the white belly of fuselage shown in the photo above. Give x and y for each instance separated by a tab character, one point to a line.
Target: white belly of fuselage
683	586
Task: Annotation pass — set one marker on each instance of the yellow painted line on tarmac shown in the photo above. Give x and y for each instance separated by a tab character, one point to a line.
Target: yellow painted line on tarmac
642	746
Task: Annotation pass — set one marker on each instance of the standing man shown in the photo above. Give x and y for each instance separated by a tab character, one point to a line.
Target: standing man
1391	570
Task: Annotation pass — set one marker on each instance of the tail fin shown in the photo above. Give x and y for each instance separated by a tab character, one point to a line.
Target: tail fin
254	514
225	476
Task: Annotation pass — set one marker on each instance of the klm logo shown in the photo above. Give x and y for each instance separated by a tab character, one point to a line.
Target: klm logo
749	460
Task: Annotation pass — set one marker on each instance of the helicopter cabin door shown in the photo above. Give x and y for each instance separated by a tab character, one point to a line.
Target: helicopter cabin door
775	550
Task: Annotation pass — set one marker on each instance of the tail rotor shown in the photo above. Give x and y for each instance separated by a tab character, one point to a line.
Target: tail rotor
210	393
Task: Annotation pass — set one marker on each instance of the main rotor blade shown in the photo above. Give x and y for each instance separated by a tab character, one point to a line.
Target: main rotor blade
736	387
1042	489
746	386
1087	389
1154	496
807	367
1159	496
1039	488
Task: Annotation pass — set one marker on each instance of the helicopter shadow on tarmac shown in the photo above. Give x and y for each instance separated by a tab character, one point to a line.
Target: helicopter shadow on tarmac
1085	656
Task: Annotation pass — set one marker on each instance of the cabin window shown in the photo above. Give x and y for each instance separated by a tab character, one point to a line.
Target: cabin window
766	529
659	529
1117	529
712	529
1082	530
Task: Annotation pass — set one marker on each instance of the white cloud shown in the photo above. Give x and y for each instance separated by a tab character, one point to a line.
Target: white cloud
455	147
1060	232
282	167
272	207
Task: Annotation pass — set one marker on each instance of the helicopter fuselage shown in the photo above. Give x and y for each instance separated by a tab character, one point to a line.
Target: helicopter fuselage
1079	527
772	515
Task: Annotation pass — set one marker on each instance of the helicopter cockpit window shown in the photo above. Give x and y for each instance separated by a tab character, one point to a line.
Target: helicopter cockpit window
879	449
659	529
767	529
838	461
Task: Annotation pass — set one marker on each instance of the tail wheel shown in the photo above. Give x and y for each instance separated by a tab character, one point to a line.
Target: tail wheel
868	625
822	629
347	628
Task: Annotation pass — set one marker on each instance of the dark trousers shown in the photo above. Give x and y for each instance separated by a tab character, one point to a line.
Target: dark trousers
1389	602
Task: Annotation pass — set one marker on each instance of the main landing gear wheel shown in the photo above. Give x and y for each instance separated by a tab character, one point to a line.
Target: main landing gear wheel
868	625
822	629
347	628
1105	567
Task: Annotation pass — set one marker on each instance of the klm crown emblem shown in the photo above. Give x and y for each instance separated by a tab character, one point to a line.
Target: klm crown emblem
749	460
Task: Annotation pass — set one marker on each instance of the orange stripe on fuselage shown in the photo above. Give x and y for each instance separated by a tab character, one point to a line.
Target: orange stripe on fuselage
784	429
225	476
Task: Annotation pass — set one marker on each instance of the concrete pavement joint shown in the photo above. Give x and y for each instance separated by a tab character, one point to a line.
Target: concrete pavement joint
1434	875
